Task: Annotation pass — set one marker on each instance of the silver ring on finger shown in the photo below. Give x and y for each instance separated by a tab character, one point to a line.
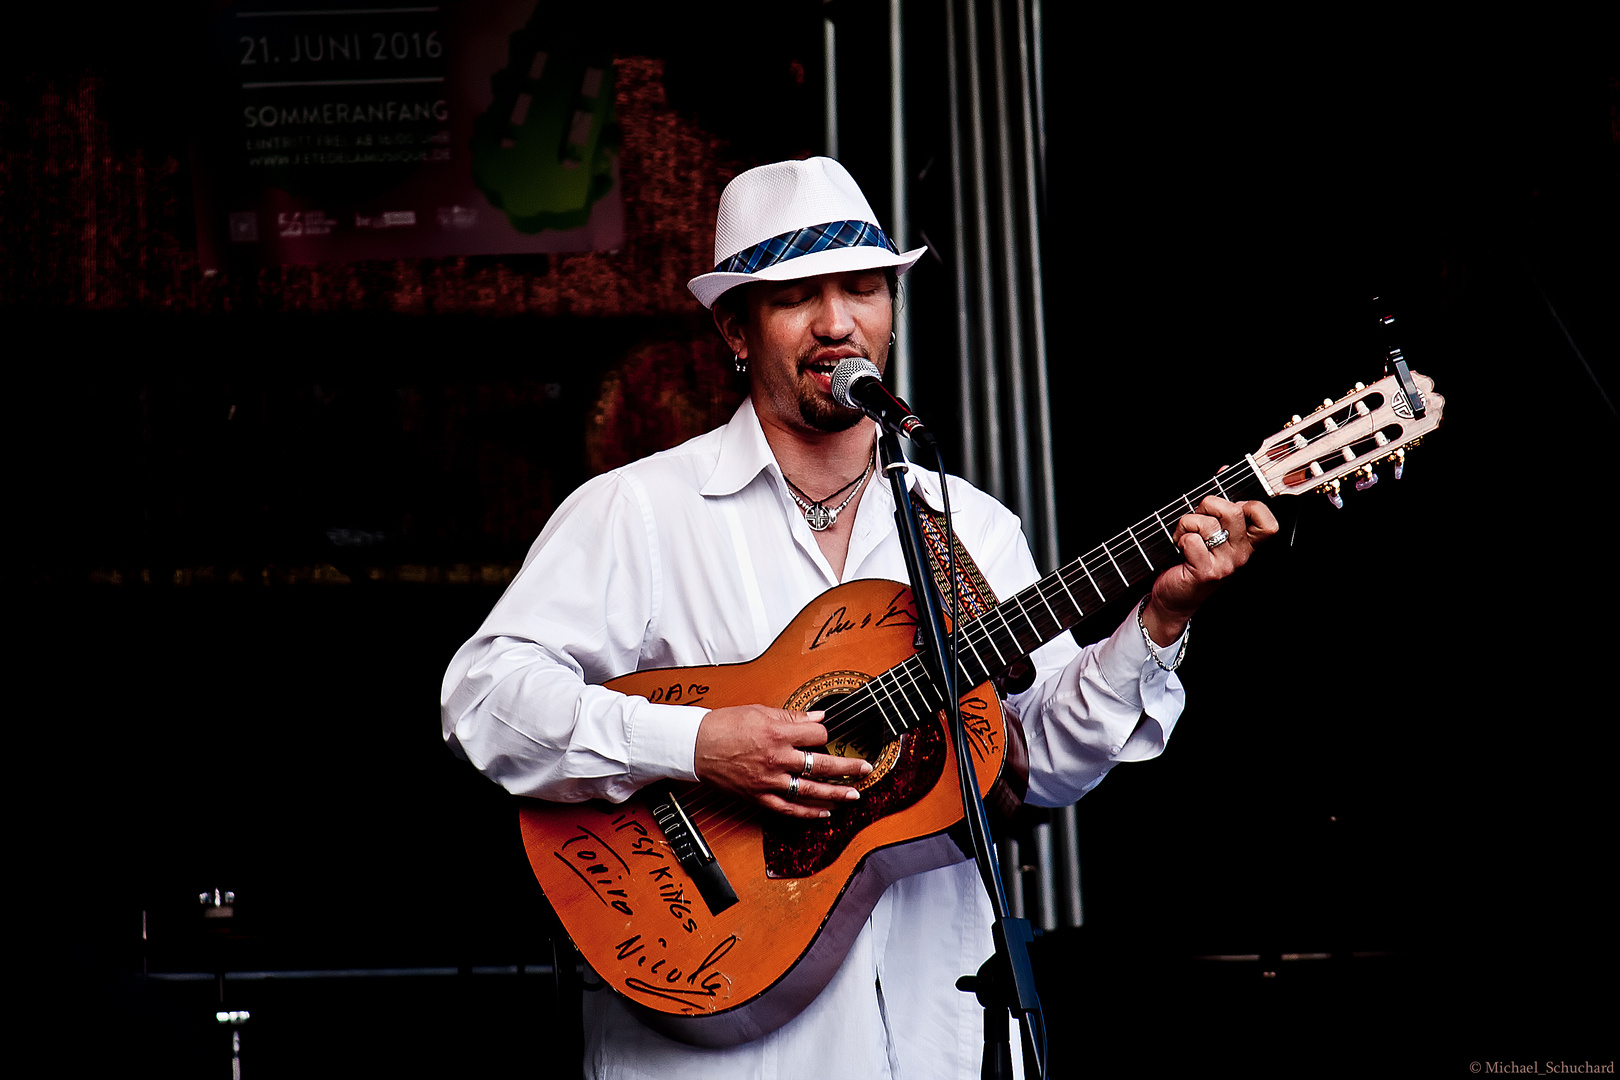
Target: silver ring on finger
793	787
1216	539
809	764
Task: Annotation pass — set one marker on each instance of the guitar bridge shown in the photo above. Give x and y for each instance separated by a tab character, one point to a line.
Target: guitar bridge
691	852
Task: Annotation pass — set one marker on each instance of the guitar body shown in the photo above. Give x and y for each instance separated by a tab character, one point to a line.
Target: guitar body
803	889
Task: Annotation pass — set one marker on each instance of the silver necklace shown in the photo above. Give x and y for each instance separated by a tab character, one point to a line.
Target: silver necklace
820	518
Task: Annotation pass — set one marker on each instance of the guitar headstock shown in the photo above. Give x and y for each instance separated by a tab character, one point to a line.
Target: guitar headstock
1369	425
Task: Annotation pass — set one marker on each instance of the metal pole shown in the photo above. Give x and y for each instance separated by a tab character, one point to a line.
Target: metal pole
1038	66
1024	499
968	424
989	382
1068	825
1045	887
899	217
829	52
1012	876
1046	540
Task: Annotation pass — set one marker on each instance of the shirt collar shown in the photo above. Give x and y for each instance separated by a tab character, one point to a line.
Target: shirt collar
925	486
744	454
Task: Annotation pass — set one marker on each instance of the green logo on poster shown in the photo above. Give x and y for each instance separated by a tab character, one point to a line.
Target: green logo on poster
543	150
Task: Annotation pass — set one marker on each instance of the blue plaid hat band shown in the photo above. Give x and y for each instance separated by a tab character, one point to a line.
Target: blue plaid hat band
807	241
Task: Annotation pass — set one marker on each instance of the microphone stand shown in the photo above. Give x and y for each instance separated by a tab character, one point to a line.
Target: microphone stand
1005	981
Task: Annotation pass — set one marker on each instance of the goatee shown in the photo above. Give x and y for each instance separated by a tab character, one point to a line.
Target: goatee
828	416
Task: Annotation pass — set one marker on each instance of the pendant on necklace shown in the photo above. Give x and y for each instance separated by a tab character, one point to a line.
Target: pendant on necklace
819	518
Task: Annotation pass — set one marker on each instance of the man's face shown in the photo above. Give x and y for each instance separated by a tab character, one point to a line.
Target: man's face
796	332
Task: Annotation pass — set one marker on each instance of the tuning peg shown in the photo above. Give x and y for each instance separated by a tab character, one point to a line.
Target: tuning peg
1399	458
1331	490
1368	478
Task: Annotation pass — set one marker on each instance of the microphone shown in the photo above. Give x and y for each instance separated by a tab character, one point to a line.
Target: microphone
857	384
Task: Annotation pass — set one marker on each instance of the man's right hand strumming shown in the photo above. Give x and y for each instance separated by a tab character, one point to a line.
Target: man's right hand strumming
759	753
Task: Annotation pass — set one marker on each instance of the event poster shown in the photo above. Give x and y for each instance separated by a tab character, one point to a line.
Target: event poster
335	132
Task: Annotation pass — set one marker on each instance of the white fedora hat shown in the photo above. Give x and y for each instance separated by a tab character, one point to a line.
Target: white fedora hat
795	219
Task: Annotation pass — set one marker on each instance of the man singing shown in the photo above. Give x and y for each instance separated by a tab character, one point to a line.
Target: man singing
703	553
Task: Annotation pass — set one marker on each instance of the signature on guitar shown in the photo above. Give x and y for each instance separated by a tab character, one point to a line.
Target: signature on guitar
898	612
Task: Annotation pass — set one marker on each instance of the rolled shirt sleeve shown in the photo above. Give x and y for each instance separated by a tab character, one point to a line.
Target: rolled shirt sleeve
1110	703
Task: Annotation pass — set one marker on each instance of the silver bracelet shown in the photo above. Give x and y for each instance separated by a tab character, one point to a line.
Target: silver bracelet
1153	650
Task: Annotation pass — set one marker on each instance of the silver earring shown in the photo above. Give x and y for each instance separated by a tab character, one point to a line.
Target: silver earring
742	365
891	339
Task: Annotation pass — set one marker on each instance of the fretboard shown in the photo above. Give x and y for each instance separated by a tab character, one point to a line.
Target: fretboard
906	694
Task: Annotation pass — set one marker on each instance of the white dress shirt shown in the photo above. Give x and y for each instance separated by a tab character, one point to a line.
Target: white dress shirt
699	555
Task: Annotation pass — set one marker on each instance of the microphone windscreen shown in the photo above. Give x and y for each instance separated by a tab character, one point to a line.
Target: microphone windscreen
844	375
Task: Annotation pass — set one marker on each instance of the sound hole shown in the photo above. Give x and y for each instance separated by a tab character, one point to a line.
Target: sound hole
795	848
854	741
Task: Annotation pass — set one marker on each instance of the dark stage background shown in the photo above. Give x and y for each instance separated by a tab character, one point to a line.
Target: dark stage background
255	513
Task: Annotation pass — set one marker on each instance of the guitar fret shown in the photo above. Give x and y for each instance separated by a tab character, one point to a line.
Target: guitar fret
1078	610
1132	534
1216	480
1125	580
1034	631
990	633
991	637
1168	535
882	685
964	673
921	687
907	689
932	696
1040	592
1000	612
966	638
1091	579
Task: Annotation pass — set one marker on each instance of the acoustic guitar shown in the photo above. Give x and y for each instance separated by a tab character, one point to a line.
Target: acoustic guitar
720	921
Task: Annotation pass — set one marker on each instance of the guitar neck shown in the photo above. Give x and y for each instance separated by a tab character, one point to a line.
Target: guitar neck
906	694
1083	587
